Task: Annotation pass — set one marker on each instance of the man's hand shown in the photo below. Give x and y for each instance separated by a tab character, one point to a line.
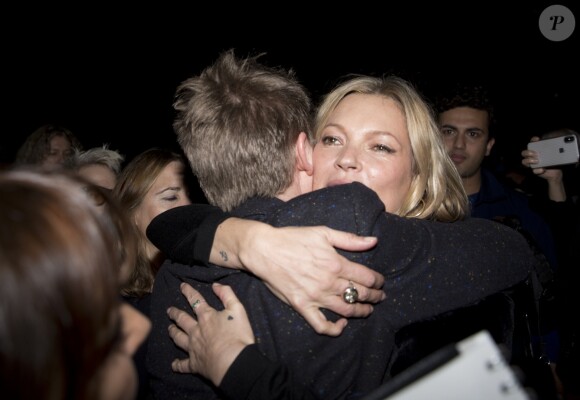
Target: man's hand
554	176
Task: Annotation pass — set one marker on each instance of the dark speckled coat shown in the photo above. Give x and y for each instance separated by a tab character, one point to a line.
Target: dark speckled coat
430	267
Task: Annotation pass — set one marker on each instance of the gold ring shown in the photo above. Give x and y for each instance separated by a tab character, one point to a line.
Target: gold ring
350	294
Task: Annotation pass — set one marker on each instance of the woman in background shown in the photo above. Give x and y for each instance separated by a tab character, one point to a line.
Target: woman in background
50	146
152	182
100	165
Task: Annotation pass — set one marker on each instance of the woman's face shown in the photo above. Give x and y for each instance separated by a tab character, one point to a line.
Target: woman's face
99	174
365	140
60	149
168	191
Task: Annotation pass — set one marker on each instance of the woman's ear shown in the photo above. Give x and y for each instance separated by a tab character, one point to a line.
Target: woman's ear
304	153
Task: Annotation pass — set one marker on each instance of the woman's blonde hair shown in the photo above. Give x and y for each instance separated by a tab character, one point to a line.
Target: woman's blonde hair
436	190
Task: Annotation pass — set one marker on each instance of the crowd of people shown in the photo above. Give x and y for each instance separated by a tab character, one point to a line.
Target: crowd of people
325	229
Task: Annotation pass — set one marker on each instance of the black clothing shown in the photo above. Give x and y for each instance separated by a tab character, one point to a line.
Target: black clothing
495	199
254	376
430	267
143	305
186	235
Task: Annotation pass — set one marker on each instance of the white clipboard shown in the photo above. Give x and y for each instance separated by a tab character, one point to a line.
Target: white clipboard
473	368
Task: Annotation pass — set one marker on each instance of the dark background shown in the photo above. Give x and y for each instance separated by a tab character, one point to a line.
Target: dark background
109	75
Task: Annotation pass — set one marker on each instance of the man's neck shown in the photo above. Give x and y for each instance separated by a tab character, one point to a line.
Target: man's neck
472	184
302	183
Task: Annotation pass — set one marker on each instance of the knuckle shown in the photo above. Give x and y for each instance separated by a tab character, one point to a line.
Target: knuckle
323	330
179	317
350	311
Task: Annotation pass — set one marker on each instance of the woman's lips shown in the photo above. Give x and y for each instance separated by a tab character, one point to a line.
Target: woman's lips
337	182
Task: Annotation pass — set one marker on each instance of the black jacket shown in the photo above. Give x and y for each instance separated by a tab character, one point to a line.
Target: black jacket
430	267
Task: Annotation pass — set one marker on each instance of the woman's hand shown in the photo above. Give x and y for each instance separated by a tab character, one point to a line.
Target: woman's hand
217	337
301	266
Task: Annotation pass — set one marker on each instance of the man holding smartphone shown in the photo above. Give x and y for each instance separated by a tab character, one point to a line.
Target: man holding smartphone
562	209
551	169
466	119
555	148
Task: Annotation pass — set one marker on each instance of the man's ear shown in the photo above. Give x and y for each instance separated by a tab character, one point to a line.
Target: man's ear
489	146
304	153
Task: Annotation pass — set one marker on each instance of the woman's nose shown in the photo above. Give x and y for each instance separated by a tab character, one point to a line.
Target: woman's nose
348	159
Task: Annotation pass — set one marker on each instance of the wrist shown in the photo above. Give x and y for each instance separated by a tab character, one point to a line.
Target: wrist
249	246
556	190
224	362
224	251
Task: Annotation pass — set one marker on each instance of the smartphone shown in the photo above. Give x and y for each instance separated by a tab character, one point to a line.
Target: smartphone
556	151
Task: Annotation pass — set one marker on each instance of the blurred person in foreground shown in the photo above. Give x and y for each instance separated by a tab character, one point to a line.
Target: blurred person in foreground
65	332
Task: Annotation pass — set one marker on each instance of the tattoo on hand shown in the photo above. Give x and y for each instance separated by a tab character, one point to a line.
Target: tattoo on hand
224	255
230	317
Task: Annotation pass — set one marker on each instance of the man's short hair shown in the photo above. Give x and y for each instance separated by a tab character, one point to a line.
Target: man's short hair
473	95
237	122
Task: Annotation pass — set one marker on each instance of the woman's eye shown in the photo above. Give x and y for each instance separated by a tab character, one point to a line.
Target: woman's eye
330	140
383	148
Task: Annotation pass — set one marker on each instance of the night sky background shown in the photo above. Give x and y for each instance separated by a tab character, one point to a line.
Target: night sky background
109	75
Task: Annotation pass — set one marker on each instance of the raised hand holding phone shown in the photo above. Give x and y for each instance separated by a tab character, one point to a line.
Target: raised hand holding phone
555	151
